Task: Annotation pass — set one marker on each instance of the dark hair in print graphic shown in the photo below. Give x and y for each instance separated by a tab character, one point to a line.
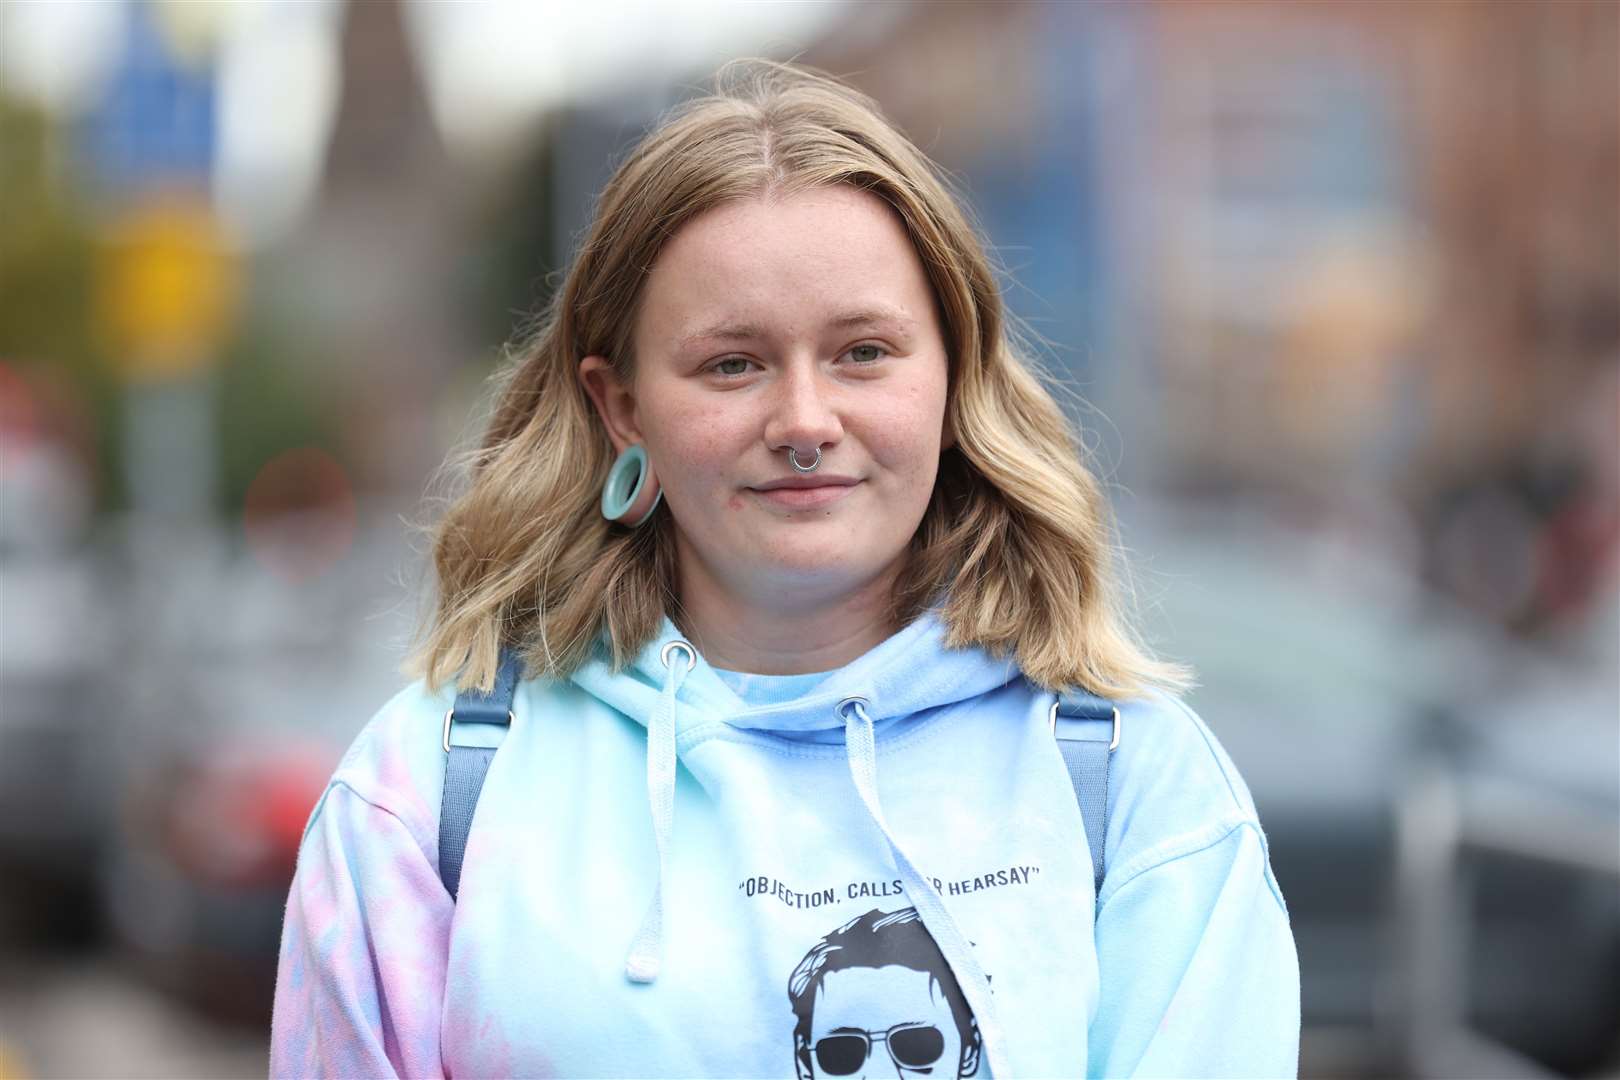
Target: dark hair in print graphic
874	940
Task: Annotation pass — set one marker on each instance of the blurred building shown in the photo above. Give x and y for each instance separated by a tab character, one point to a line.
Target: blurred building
371	273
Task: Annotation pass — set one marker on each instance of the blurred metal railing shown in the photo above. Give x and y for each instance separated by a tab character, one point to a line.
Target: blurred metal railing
1442	812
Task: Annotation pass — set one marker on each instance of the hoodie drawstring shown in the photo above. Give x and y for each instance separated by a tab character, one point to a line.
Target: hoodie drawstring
646	949
860	743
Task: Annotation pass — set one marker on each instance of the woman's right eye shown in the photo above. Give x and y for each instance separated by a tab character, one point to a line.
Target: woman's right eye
731	360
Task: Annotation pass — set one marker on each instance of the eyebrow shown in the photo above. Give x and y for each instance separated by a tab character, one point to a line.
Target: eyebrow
744	331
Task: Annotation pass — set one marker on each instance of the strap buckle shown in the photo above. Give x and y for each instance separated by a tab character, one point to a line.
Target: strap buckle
1051	723
451	712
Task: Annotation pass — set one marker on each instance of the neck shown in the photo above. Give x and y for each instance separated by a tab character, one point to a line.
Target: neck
781	633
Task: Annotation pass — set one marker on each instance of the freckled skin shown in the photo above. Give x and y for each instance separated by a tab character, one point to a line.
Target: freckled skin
874	999
787	265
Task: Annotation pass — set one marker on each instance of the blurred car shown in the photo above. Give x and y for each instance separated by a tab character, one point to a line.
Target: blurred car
53	766
252	688
1365	712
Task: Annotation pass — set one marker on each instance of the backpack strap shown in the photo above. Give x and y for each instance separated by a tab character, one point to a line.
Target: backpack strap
1087	731
466	764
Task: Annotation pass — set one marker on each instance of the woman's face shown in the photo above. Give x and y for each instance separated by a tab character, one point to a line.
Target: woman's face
804	322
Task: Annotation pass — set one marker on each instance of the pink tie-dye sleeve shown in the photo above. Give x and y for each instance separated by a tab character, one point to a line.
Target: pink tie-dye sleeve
360	983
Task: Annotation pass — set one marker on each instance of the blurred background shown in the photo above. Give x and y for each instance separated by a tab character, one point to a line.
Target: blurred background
1335	288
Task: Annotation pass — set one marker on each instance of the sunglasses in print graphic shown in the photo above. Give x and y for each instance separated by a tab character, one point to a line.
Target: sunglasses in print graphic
911	1046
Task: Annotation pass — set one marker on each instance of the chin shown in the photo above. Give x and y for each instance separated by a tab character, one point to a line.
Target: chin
807	565
815	564
823	565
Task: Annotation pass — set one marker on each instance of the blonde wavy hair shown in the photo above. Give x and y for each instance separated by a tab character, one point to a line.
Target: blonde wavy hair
1017	540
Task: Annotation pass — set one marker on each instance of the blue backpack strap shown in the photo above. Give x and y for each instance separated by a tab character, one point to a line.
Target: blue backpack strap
465	765
1087	731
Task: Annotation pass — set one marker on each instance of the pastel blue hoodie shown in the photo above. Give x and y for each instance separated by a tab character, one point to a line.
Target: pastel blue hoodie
881	870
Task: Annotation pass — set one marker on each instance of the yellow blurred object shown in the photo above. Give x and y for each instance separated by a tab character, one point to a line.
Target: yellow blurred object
11	1066
1348	321
168	288
191	28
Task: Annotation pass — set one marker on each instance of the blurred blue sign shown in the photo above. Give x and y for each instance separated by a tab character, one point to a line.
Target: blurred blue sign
155	124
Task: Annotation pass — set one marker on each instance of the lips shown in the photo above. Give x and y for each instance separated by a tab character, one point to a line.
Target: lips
799	496
828	480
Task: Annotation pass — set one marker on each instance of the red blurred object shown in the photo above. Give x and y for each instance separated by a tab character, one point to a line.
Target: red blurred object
236	819
300	515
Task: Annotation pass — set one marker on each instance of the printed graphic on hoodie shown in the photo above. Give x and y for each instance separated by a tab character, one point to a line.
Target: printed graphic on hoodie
876	998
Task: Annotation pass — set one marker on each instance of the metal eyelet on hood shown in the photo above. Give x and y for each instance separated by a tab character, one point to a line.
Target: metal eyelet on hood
854	699
691	653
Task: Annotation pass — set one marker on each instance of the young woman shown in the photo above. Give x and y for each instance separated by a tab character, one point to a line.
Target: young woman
798	555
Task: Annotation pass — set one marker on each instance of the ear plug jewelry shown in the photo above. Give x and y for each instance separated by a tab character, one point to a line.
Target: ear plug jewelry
631	492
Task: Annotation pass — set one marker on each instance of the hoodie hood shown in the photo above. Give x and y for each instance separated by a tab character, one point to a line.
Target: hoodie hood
671	689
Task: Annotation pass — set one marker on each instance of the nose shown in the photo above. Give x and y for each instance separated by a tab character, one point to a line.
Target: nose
804	415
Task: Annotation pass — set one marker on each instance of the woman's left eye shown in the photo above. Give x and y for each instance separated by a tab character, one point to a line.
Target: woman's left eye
875	348
731	360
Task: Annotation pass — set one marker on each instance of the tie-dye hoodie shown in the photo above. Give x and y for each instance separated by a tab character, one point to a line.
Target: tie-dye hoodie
879	872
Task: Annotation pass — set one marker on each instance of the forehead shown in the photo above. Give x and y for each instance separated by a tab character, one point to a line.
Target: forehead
794	263
876	997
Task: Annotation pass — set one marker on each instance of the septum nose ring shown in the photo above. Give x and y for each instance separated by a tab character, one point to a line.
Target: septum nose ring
793	459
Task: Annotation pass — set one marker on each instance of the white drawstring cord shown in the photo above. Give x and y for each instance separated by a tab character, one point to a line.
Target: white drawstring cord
645	951
861	745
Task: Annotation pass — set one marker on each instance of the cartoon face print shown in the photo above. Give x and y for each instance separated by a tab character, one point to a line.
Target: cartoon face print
876	998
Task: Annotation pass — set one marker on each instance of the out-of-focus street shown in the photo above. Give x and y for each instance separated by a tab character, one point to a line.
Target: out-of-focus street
1337	315
87	1016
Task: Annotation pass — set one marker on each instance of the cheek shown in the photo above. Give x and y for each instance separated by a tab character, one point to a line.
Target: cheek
905	432
692	448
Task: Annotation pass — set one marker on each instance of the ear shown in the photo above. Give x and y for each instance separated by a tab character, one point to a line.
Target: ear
615	402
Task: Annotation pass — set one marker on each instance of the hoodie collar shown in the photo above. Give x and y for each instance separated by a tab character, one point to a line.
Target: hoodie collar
909	671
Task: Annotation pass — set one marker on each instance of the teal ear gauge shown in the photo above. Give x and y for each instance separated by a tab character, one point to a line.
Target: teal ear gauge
631	492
